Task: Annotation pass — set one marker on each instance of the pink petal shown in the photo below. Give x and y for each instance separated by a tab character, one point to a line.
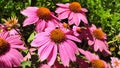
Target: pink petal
63	15
73	45
19	47
15	40
81	51
83	18
15	57
90	42
30	20
63	55
30	11
76	19
73	38
71	22
96	45
63	5
6	62
84	10
45	66
4	35
60	10
40	25
52	56
44	51
93	27
41	35
38	43
70	51
71	16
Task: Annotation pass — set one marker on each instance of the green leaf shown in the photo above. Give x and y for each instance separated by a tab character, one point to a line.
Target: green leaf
25	51
26	63
31	37
65	0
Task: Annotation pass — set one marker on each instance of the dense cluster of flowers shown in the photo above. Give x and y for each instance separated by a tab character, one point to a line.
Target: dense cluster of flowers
66	40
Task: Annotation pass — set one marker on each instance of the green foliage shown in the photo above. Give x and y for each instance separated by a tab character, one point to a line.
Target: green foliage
26	64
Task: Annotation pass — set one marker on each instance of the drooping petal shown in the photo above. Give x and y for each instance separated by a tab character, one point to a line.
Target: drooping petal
63	15
84	9
30	20
73	38
73	45
16	61
40	26
76	19
83	18
71	16
44	51
70	51
52	57
63	55
6	62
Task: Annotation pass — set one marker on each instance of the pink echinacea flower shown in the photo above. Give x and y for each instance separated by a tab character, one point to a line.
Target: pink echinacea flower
115	62
41	16
73	11
94	60
9	55
99	40
53	42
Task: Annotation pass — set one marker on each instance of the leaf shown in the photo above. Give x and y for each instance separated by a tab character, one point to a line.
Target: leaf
26	63
118	52
31	37
25	51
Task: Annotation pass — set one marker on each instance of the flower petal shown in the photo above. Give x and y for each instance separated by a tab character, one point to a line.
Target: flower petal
52	57
63	55
30	20
73	38
44	51
40	25
30	11
60	10
63	15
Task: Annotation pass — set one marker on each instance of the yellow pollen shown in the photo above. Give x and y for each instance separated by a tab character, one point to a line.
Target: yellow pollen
57	36
112	48
66	25
98	33
44	13
75	7
97	64
116	63
4	46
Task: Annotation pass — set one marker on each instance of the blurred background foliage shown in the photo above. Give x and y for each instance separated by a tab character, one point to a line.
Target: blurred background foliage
102	13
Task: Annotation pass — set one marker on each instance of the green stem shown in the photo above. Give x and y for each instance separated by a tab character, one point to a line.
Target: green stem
112	41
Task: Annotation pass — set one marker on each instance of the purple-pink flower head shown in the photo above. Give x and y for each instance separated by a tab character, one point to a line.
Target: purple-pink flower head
73	11
56	41
115	62
94	59
99	40
9	54
41	16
